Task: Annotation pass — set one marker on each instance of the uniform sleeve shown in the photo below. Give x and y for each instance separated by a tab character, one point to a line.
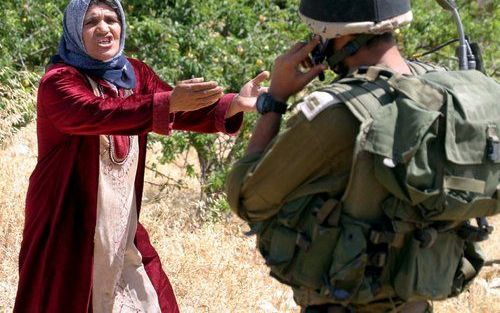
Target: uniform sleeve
67	100
258	183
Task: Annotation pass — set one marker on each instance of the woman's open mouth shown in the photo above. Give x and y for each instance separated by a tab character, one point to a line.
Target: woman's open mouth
105	42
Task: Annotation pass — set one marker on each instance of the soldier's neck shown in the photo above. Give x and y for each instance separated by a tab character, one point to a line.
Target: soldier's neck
386	55
393	59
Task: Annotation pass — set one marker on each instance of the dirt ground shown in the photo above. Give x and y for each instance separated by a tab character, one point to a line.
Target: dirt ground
213	267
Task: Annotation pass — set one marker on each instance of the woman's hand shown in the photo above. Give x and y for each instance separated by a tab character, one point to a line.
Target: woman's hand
245	100
287	78
194	94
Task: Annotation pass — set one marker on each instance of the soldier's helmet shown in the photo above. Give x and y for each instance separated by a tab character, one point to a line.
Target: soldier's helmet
335	18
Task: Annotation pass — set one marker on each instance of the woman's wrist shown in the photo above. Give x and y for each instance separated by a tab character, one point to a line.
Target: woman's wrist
234	107
241	104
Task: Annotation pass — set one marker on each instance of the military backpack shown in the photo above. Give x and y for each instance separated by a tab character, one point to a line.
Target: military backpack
425	173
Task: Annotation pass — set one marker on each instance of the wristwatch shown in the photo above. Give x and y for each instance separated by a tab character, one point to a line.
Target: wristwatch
266	103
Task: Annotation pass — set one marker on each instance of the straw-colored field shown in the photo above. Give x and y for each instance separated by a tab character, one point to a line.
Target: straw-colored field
213	267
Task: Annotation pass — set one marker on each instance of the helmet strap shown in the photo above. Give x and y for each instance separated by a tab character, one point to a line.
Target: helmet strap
349	49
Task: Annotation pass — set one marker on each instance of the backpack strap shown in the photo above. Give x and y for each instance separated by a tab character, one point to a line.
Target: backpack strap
419	68
362	103
366	90
363	98
381	82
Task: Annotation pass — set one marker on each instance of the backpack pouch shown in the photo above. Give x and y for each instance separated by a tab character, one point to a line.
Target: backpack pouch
470	265
296	247
455	166
441	159
347	282
420	273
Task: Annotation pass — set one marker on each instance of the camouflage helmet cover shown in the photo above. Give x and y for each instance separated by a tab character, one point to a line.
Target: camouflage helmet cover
335	18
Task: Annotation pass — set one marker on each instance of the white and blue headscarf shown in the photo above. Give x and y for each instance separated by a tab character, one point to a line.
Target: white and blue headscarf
71	50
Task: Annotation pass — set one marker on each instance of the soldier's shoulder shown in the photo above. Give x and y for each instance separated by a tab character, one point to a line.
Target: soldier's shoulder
419	68
317	102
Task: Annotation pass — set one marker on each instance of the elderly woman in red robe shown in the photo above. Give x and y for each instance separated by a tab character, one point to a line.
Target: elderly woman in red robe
83	248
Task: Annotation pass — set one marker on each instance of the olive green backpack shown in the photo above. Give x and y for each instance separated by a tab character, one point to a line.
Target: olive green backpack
426	162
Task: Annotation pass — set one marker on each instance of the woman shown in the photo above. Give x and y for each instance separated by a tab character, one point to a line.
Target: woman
83	249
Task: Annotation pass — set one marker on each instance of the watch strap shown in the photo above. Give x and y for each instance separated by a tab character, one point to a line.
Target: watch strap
266	103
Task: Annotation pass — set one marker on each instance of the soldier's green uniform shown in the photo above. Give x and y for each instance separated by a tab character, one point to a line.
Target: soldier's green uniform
313	154
303	152
362	203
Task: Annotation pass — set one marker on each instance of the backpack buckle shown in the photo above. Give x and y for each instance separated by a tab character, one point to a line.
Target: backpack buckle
492	143
329	213
393	239
302	241
484	226
378	259
472	233
332	292
371	73
426	236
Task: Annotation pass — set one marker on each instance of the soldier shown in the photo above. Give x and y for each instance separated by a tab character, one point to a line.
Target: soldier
322	207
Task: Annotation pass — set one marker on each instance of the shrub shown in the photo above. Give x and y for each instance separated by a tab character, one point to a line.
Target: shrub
229	41
17	102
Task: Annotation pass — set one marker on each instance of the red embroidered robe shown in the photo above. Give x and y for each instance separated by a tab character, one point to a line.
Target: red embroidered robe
56	257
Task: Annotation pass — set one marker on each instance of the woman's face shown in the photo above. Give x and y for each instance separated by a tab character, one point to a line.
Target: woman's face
101	32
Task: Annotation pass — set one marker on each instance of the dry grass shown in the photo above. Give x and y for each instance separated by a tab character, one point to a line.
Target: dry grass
16	164
213	267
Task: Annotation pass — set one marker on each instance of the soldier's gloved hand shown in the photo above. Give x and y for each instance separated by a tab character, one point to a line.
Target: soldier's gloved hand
287	77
